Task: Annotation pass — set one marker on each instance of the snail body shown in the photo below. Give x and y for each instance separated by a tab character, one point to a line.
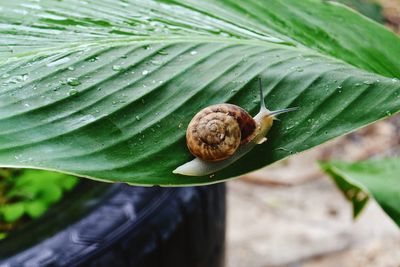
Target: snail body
219	135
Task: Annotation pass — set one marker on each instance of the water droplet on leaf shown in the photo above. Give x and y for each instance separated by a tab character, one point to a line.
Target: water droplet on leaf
73	81
117	68
162	52
92	59
73	92
58	62
155	62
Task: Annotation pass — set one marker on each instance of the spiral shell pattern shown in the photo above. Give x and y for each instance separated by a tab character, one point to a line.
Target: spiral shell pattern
217	131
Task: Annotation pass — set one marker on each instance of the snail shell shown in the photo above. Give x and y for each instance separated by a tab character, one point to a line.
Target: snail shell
217	131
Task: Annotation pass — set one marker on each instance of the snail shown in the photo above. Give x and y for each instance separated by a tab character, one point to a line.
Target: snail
220	134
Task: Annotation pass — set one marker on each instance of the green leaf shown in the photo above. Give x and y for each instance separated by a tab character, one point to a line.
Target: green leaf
105	89
377	178
12	212
35	209
3	235
43	186
33	191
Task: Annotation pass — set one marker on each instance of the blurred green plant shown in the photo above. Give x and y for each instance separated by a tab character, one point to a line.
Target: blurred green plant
359	181
28	194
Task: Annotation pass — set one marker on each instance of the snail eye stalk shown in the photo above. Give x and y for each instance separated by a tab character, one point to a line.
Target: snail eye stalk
262	103
264	108
281	111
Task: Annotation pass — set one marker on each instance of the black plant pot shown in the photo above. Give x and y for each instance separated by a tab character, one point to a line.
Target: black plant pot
120	225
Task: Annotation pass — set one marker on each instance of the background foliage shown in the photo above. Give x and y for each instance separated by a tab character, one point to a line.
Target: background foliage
377	178
29	193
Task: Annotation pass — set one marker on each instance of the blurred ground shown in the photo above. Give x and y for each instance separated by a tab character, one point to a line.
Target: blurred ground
308	225
391	11
290	214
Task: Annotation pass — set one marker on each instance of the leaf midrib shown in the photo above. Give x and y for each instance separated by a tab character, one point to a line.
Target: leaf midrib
134	41
167	39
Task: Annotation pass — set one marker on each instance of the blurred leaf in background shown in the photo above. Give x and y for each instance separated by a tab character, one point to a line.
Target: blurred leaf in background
30	193
359	181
